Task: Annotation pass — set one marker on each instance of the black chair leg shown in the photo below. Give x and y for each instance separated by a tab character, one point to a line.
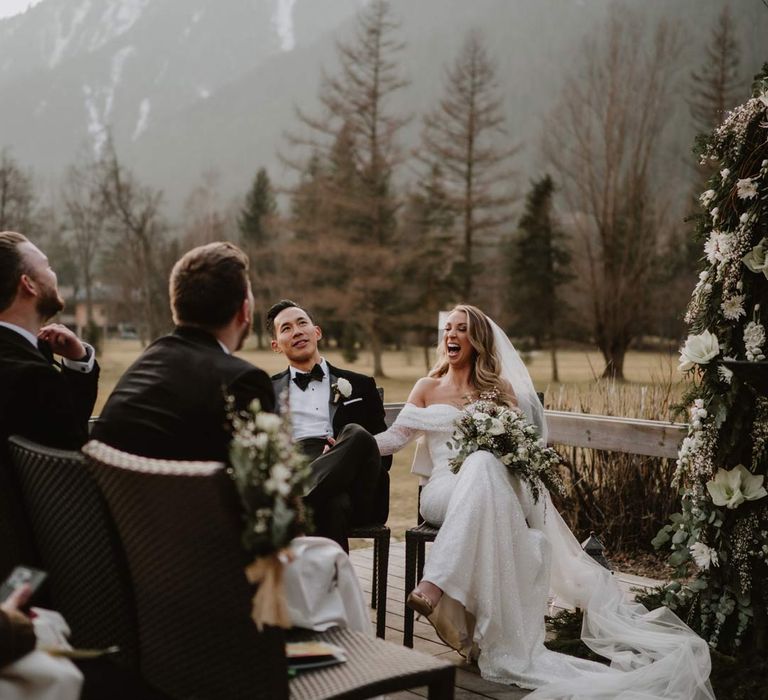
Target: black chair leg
381	575
442	687
375	572
410	583
420	560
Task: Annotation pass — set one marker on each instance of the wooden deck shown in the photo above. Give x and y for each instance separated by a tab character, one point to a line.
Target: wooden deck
469	684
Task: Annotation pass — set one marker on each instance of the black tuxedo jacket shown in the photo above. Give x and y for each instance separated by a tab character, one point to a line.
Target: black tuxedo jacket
43	402
170	403
363	406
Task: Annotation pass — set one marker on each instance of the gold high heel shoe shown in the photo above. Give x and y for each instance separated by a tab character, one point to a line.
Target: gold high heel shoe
417	601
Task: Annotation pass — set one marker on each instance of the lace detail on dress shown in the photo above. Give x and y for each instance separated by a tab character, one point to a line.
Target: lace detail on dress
394	439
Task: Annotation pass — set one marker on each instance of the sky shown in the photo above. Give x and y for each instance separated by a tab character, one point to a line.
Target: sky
9	8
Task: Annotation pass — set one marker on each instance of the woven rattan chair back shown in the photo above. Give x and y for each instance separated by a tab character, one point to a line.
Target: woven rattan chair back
179	525
79	547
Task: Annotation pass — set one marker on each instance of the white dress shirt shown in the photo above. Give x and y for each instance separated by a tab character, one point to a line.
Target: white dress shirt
85	366
310	411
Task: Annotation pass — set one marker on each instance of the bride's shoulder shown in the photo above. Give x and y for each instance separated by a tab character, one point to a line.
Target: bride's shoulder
422	390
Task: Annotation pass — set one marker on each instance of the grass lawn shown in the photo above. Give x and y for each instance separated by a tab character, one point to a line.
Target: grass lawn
577	369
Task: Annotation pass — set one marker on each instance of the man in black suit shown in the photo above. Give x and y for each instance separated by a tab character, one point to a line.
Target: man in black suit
334	414
171	402
40	399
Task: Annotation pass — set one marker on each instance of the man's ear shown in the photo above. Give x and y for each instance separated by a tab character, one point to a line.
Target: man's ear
27	285
274	345
318	332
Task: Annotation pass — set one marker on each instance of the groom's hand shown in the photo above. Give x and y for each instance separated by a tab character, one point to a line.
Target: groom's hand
331	442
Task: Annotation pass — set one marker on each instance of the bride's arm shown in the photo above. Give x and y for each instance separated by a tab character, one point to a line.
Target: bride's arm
398	436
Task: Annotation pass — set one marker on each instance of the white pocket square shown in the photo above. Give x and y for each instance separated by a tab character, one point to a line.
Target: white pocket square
346	403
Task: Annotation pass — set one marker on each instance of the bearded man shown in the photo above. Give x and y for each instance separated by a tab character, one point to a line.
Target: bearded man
41	399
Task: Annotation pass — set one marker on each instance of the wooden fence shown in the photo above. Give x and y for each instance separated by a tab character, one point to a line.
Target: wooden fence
630	435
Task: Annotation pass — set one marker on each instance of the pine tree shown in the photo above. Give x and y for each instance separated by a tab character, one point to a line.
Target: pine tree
539	267
256	232
463	136
260	205
716	87
428	226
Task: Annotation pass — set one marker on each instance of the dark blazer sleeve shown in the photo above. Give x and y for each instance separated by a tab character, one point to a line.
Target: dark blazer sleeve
57	405
253	384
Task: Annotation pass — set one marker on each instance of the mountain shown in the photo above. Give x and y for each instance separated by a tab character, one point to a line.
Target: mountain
189	86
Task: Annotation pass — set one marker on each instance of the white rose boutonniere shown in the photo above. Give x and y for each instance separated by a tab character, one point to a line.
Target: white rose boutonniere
698	350
341	387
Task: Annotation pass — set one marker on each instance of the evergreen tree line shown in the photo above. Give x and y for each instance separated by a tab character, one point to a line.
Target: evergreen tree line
376	239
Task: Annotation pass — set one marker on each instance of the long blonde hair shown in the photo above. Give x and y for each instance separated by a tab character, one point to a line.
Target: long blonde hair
485	374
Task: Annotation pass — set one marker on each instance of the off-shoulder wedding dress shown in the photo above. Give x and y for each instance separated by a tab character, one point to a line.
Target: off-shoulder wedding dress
499	557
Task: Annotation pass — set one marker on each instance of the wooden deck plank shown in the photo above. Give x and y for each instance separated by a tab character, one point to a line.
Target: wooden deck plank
469	683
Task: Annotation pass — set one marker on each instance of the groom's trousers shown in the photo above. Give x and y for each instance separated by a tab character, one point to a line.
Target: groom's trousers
346	483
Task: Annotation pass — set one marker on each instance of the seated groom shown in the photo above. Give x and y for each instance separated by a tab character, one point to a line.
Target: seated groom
334	414
170	403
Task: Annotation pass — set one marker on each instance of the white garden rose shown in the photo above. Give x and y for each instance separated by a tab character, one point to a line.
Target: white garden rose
345	388
703	556
497	427
746	188
756	259
698	350
732	487
707	197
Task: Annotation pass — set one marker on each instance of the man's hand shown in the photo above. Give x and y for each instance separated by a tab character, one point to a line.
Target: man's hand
331	442
14	602
63	342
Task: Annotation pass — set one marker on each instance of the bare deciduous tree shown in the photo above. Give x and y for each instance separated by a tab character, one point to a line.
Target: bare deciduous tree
604	141
85	223
140	255
464	137
357	129
17	198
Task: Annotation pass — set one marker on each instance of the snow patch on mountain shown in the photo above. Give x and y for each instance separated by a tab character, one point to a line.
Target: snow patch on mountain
99	116
141	124
282	22
62	37
118	17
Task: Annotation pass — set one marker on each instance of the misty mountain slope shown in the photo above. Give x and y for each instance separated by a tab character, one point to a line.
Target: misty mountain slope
194	85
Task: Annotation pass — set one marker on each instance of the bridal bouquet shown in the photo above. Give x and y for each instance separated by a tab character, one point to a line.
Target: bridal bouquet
271	476
504	431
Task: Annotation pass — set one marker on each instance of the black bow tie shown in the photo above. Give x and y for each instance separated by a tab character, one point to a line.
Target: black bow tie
303	379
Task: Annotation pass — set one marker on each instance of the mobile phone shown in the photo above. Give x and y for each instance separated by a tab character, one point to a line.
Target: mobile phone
18	577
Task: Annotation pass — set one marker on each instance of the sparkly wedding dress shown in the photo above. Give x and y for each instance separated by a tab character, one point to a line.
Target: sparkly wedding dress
499	557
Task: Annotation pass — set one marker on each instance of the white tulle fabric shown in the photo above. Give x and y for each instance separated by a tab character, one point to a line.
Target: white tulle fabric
499	557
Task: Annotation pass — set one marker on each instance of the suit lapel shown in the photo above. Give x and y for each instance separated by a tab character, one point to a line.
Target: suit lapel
280	385
333	406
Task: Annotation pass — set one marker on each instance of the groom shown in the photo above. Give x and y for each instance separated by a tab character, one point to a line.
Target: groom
334	414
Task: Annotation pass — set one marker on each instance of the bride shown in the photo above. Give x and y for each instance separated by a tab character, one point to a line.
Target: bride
499	556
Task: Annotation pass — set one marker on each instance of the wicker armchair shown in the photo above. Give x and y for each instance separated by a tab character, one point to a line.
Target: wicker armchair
180	529
16	542
79	547
179	524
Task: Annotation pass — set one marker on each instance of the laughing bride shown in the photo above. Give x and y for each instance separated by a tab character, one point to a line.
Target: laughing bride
500	553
